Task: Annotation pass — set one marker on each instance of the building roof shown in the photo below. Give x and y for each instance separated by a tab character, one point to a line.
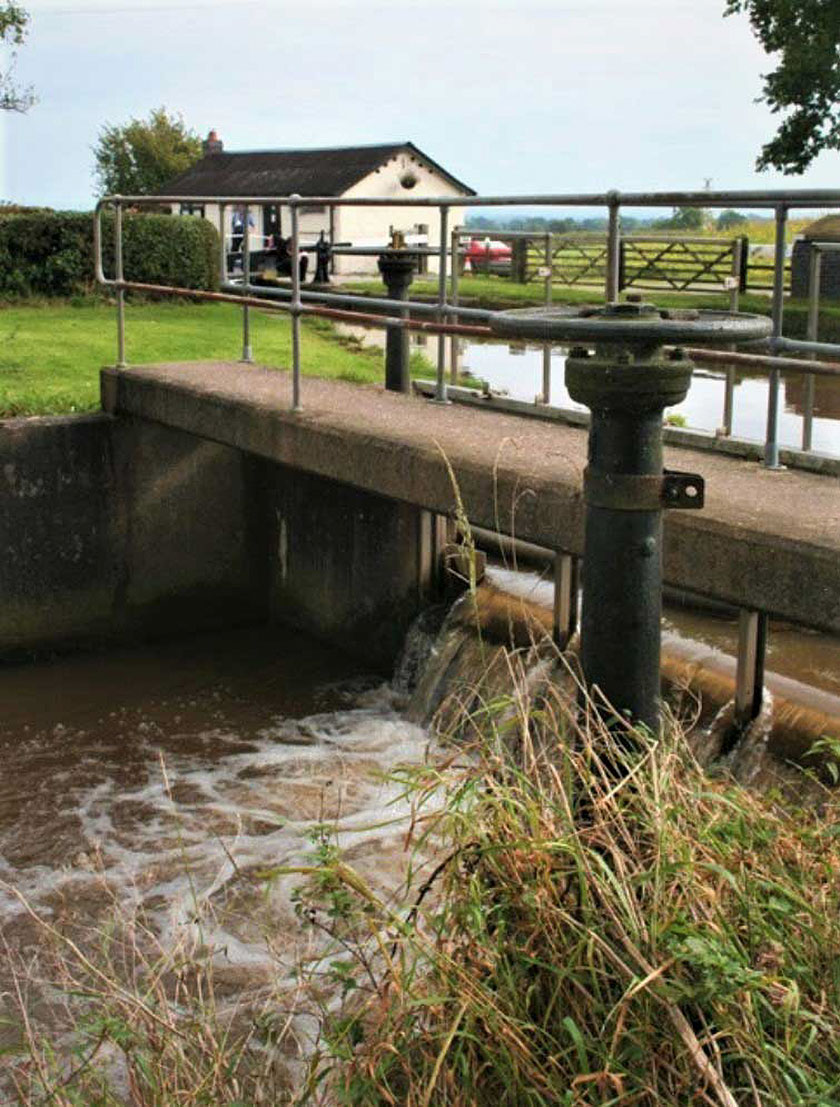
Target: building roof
826	229
325	172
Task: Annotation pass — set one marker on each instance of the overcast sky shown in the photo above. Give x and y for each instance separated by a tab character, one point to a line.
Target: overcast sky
528	96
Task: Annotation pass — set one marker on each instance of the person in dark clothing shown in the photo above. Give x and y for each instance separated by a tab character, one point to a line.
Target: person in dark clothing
283	250
323	253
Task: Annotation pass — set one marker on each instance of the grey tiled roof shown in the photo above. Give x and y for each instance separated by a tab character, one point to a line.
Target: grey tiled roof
324	172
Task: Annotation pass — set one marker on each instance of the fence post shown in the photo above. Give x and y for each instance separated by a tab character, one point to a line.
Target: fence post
455	275
440	387
296	302
519	261
749	678
546	387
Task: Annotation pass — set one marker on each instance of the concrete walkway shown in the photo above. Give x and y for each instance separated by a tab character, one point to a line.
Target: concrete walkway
768	540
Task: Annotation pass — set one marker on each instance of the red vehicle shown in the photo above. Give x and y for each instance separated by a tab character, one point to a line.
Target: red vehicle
488	255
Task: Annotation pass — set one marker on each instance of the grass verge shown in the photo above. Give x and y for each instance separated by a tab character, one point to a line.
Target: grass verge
653	937
51	353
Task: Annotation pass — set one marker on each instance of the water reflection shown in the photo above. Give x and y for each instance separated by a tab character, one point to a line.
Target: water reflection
517	371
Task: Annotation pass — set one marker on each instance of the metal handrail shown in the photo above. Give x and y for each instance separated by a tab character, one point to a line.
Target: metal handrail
446	311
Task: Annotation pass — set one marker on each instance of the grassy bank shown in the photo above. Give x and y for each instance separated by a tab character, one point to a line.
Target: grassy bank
51	353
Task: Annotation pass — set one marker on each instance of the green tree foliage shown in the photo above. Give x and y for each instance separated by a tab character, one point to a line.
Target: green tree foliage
683	219
729	219
804	36
141	156
14	23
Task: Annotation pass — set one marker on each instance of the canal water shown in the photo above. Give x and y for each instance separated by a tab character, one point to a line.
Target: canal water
516	371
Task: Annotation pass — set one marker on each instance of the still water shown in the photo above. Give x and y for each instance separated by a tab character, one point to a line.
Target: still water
516	371
163	781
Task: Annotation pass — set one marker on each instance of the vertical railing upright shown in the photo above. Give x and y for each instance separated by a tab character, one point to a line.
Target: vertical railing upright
771	445
247	353
613	248
296	301
814	279
223	273
120	276
546	365
440	389
454	351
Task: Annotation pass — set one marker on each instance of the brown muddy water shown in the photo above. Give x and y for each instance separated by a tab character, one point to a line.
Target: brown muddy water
163	781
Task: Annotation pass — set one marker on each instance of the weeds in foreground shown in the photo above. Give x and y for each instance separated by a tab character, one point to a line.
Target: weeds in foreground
653	937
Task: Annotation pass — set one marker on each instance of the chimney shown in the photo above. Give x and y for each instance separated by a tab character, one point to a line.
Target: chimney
212	144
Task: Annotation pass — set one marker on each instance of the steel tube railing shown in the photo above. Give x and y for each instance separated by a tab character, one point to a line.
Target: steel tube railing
295	307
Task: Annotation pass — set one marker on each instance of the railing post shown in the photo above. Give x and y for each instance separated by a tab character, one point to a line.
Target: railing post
247	354
735	290
120	276
749	679
613	248
454	350
296	301
223	273
771	445
440	390
814	277
546	364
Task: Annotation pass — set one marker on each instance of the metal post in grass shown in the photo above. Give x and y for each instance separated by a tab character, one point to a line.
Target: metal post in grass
397	267
619	369
120	276
247	353
296	301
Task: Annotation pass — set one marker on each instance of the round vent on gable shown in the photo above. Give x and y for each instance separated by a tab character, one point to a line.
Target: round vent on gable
408	179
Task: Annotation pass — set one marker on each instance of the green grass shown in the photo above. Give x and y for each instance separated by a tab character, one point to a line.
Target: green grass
51	353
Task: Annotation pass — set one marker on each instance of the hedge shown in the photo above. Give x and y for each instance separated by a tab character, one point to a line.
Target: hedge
51	254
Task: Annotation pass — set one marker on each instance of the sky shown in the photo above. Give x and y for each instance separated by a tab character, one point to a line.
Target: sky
511	96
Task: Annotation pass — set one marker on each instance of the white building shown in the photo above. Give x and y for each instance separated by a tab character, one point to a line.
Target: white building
390	170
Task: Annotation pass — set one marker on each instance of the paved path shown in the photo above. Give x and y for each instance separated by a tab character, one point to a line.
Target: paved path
769	540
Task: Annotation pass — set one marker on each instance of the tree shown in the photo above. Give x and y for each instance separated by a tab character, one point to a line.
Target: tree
141	156
683	219
729	219
805	34
14	23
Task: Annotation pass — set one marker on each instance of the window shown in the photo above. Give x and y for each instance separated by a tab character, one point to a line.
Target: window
312	209
192	209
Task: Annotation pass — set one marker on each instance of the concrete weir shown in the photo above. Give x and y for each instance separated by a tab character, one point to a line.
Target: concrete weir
767	540
200	499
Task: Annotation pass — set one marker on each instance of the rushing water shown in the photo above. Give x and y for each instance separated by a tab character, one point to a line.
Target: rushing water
164	781
516	370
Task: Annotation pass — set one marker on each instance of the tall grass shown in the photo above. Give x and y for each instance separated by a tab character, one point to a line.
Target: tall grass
589	936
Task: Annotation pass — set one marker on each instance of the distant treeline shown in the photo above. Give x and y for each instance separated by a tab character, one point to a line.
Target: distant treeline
681	219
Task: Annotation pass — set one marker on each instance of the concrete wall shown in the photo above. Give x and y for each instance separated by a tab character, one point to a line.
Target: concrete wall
112	529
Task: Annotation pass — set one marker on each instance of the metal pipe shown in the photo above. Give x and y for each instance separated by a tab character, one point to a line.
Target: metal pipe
771	444
613	248
764	361
440	395
296	302
814	274
120	276
754	198
247	355
799	345
735	291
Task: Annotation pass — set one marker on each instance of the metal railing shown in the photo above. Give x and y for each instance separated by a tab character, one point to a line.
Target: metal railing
446	316
450	317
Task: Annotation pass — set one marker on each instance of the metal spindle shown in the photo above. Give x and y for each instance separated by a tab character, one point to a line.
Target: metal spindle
440	391
546	359
223	270
771	445
814	277
296	301
120	276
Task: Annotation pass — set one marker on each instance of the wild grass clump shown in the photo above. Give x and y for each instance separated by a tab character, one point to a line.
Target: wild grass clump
600	923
